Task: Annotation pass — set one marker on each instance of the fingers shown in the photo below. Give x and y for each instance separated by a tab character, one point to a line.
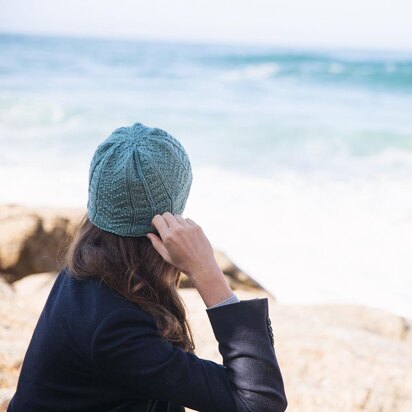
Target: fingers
167	221
185	222
191	222
170	219
160	224
158	245
181	220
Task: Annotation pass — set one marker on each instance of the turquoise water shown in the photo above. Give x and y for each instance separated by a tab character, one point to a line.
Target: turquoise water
302	158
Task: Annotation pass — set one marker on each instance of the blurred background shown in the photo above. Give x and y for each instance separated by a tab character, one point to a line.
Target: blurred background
297	118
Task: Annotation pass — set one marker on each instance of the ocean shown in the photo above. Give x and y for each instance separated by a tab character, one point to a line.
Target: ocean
302	159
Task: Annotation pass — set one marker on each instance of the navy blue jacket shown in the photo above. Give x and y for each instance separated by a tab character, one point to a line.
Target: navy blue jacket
93	350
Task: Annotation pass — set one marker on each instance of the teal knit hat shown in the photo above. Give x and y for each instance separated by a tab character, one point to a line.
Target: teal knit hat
136	173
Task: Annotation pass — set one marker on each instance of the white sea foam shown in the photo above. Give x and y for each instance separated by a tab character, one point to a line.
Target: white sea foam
313	241
26	113
253	72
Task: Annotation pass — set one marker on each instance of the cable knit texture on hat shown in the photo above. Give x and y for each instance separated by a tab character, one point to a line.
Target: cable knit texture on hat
136	173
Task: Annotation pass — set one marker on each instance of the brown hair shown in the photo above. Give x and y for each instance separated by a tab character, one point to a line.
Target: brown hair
132	267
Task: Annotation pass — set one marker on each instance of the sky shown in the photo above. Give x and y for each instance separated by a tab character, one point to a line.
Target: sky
377	24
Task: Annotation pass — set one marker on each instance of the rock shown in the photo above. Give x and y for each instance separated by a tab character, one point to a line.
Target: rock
338	358
341	358
6	291
18	317
340	366
373	320
225	263
30	239
35	289
236	277
16	234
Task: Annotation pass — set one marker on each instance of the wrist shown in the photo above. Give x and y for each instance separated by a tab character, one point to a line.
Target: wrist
213	288
206	272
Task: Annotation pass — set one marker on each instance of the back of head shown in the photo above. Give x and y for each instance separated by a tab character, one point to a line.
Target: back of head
136	173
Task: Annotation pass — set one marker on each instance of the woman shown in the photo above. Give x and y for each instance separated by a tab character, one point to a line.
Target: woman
113	335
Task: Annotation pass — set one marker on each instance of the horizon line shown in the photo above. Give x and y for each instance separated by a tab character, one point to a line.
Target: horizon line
205	42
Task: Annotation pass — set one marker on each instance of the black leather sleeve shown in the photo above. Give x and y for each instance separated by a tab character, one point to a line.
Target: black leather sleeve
245	337
128	350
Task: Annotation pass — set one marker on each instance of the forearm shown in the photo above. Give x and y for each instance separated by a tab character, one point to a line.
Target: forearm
213	287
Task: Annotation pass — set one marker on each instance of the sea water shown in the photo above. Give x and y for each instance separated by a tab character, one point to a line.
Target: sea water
302	159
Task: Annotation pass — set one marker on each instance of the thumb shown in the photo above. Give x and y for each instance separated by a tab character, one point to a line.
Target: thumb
158	245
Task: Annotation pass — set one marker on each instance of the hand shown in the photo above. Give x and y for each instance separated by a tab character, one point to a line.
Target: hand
183	244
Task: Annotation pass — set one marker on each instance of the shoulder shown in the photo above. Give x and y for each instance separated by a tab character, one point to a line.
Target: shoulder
94	300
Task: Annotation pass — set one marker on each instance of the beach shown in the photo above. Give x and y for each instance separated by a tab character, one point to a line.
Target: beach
302	164
333	357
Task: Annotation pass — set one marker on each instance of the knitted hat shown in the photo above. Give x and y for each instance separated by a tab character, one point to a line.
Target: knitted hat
136	173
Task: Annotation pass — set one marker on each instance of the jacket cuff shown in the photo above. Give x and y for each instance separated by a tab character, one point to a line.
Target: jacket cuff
240	321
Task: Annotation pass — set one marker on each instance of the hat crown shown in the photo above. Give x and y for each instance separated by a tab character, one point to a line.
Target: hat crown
136	173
